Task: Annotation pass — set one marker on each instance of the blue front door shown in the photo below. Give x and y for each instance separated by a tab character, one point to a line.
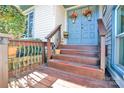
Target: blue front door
83	31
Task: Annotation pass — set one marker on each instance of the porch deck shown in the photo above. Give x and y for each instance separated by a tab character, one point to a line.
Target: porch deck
46	77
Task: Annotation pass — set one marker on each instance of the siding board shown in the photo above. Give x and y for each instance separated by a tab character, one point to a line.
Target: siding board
107	19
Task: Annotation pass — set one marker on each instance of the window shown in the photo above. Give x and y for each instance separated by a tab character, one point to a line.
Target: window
29	25
120	36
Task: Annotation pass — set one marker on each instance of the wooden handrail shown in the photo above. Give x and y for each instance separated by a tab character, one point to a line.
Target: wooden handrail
49	36
102	33
53	32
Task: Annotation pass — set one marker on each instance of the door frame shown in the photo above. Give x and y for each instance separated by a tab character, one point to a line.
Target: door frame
75	7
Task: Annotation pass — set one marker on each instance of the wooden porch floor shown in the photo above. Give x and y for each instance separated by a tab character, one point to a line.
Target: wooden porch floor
46	77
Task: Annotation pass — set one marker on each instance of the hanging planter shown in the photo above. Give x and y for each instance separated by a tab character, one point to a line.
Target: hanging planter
74	16
87	13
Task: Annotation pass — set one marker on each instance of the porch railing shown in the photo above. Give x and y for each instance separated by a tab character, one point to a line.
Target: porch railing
102	33
25	55
55	38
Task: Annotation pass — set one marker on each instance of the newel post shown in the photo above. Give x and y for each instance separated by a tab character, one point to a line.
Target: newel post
3	60
102	55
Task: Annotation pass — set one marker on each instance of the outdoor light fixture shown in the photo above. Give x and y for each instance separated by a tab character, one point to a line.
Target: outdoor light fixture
87	13
74	16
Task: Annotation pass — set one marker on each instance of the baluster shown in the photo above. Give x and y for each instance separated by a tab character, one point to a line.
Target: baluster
24	63
49	49
28	55
38	53
13	58
31	55
43	53
35	55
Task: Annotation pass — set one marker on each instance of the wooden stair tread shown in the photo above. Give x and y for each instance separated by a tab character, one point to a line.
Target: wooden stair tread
84	47
89	51
77	56
80	70
73	63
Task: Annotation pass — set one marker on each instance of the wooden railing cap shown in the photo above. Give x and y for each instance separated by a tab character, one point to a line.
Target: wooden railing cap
6	35
101	27
53	32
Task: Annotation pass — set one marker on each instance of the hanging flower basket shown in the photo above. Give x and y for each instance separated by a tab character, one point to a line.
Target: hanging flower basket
87	12
74	16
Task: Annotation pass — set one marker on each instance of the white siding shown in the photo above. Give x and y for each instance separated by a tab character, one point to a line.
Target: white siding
44	20
60	18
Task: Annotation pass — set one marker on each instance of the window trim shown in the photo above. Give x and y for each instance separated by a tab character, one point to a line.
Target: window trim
28	24
115	65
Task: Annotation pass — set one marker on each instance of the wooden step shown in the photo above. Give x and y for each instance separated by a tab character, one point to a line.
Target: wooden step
80	47
79	59
77	68
73	63
79	52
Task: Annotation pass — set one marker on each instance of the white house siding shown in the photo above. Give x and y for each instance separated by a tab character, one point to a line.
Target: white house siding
44	20
60	18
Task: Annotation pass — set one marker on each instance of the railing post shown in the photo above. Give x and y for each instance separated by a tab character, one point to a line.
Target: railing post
49	51
60	34
102	53
3	61
102	33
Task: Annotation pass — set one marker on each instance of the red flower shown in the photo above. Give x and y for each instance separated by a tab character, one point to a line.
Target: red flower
87	12
74	15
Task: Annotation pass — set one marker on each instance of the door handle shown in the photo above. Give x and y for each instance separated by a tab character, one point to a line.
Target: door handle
81	26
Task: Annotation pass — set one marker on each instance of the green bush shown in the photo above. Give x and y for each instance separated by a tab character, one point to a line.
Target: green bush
12	21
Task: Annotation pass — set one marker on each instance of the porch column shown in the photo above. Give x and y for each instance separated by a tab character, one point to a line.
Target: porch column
3	61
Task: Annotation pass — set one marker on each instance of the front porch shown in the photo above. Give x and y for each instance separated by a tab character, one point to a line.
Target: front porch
46	77
27	65
80	62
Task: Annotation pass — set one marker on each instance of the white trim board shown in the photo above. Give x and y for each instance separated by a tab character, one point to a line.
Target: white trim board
115	76
29	10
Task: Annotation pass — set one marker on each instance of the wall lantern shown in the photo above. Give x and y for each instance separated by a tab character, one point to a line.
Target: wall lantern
74	16
65	34
87	13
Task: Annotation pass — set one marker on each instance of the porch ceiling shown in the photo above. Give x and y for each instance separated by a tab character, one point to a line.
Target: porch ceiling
67	6
25	7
